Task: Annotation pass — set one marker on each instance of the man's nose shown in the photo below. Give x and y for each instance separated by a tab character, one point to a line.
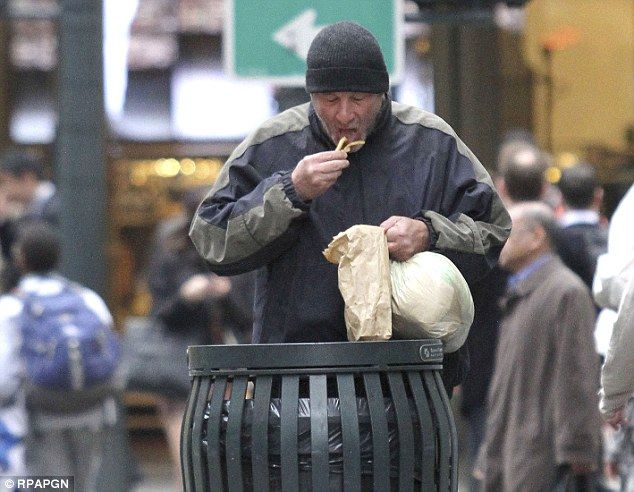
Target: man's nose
345	114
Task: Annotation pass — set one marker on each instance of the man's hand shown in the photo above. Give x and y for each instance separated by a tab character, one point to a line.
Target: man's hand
315	173
616	418
405	237
201	286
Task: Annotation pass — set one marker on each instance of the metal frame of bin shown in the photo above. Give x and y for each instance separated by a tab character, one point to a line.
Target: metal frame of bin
405	371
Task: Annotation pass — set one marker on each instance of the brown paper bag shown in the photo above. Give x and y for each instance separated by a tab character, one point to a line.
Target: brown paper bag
364	281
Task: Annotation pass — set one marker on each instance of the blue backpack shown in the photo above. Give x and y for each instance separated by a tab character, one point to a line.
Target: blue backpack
65	345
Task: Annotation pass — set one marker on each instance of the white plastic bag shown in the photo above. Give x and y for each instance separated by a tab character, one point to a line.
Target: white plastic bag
430	299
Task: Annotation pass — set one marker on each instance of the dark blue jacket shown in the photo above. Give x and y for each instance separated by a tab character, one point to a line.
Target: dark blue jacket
412	165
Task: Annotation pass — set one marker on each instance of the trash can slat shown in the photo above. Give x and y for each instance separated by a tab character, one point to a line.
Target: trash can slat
427	432
233	437
288	438
453	462
214	465
260	433
200	480
349	433
380	440
186	438
319	432
405	432
444	446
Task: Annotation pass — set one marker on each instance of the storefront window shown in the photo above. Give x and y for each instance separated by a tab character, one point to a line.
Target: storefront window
32	58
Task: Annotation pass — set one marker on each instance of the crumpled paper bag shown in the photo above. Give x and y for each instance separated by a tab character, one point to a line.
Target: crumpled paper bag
364	281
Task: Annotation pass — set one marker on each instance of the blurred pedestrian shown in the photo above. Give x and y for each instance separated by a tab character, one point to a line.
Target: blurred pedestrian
581	238
66	420
614	268
236	313
25	196
543	421
523	164
13	416
187	308
22	177
286	191
617	373
513	141
522	174
617	391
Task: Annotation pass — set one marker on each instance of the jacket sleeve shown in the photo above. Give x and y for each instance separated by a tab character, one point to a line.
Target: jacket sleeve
576	417
247	219
617	383
471	224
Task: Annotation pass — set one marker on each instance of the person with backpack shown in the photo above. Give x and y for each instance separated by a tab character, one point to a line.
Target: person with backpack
70	355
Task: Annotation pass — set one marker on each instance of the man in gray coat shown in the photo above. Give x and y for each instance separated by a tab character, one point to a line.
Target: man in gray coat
543	420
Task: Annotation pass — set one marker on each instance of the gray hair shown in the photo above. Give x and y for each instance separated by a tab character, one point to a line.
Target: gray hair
537	214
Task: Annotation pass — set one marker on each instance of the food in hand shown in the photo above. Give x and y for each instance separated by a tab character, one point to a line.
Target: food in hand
351	146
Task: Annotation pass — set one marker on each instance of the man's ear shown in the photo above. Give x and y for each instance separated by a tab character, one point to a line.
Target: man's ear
540	237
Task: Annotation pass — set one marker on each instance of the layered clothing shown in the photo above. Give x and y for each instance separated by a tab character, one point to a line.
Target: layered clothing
412	165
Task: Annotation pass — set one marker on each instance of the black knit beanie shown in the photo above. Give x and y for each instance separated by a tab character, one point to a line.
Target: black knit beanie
346	57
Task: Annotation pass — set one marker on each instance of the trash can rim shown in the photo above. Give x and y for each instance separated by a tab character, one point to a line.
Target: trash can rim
324	354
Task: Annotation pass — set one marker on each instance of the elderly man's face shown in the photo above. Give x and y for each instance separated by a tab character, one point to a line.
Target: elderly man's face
519	250
347	114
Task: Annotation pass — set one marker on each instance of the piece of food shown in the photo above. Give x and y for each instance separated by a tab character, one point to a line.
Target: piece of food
349	147
342	143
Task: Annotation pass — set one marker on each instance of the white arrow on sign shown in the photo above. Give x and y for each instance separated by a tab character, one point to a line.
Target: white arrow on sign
297	34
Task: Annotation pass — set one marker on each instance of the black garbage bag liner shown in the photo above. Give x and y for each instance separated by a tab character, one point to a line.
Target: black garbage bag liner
335	444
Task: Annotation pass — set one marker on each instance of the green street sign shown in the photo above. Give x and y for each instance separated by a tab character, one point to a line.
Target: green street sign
269	39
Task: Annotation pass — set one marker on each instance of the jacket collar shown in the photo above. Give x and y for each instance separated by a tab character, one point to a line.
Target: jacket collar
579	217
320	133
41	283
527	285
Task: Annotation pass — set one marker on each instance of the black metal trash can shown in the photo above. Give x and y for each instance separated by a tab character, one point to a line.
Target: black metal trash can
327	416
